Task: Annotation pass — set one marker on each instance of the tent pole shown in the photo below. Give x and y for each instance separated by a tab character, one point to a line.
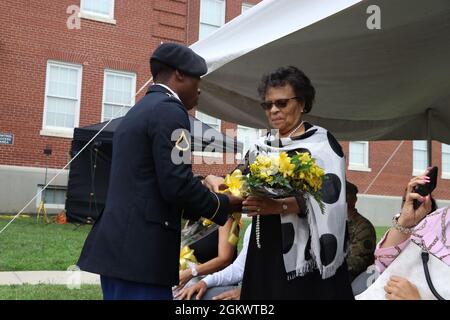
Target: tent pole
429	141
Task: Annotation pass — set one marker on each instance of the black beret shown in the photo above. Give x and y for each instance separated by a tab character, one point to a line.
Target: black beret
180	58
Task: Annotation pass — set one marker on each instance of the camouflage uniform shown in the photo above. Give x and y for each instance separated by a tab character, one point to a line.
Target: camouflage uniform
362	244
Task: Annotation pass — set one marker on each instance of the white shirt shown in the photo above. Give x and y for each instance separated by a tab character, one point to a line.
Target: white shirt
234	273
170	90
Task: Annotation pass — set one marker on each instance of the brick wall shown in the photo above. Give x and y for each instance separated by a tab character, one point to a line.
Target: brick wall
397	173
34	32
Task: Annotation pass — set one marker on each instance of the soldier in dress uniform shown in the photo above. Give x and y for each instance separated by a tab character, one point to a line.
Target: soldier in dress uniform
135	244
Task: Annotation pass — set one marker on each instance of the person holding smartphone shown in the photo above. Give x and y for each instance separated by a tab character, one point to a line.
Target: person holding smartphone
414	224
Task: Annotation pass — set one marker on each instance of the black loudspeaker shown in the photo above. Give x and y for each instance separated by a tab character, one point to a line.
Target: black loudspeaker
88	181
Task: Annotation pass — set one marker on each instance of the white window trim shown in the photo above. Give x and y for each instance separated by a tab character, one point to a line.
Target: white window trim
224	10
417	172
58	133
248	6
241	156
89	15
444	174
133	88
49	205
208	153
357	166
61	132
220	121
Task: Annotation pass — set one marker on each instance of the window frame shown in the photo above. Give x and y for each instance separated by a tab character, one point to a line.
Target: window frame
238	155
445	174
133	88
47	204
224	12
207	153
353	166
55	130
91	15
416	171
246	5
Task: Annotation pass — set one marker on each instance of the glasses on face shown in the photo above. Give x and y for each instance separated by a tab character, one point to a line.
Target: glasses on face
279	103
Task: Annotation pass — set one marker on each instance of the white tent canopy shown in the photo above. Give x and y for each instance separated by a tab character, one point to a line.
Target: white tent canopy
387	84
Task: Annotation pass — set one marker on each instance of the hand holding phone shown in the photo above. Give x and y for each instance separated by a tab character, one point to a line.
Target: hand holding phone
427	188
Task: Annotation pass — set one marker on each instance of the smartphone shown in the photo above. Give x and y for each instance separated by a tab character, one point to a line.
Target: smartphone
427	188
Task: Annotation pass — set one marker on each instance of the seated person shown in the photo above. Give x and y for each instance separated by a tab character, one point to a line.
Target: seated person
213	253
222	285
361	234
429	225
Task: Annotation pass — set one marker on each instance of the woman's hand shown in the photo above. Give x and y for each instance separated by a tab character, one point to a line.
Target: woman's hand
186	293
263	206
401	289
214	183
233	294
409	217
185	276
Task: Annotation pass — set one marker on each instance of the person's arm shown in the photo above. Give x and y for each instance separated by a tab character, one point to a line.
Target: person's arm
234	273
231	275
225	253
395	240
267	206
224	258
175	178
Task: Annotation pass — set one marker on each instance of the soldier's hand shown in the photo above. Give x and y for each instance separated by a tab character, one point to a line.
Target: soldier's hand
213	183
235	202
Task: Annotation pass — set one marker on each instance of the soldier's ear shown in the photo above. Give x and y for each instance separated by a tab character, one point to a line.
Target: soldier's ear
179	75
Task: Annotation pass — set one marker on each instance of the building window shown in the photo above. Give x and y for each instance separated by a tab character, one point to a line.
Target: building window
245	7
420	157
248	136
62	96
213	123
445	161
99	8
118	93
210	121
54	197
212	16
358	159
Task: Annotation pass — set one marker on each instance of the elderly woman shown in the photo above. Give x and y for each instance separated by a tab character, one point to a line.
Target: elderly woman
424	226
296	251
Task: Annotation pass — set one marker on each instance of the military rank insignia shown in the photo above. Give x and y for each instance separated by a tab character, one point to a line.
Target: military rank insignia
182	142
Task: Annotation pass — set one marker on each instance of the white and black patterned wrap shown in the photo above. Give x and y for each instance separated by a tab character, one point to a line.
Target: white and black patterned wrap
319	239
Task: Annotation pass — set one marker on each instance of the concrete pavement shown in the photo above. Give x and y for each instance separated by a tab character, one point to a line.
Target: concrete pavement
48	277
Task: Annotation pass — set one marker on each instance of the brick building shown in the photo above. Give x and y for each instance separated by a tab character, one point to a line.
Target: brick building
72	63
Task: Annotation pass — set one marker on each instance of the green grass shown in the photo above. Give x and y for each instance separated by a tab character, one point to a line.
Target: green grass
50	292
380	232
27	245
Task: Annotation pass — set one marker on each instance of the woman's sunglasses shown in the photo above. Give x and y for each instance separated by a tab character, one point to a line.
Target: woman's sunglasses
279	103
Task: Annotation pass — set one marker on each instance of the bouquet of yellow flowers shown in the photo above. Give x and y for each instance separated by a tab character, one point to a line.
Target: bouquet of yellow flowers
283	176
